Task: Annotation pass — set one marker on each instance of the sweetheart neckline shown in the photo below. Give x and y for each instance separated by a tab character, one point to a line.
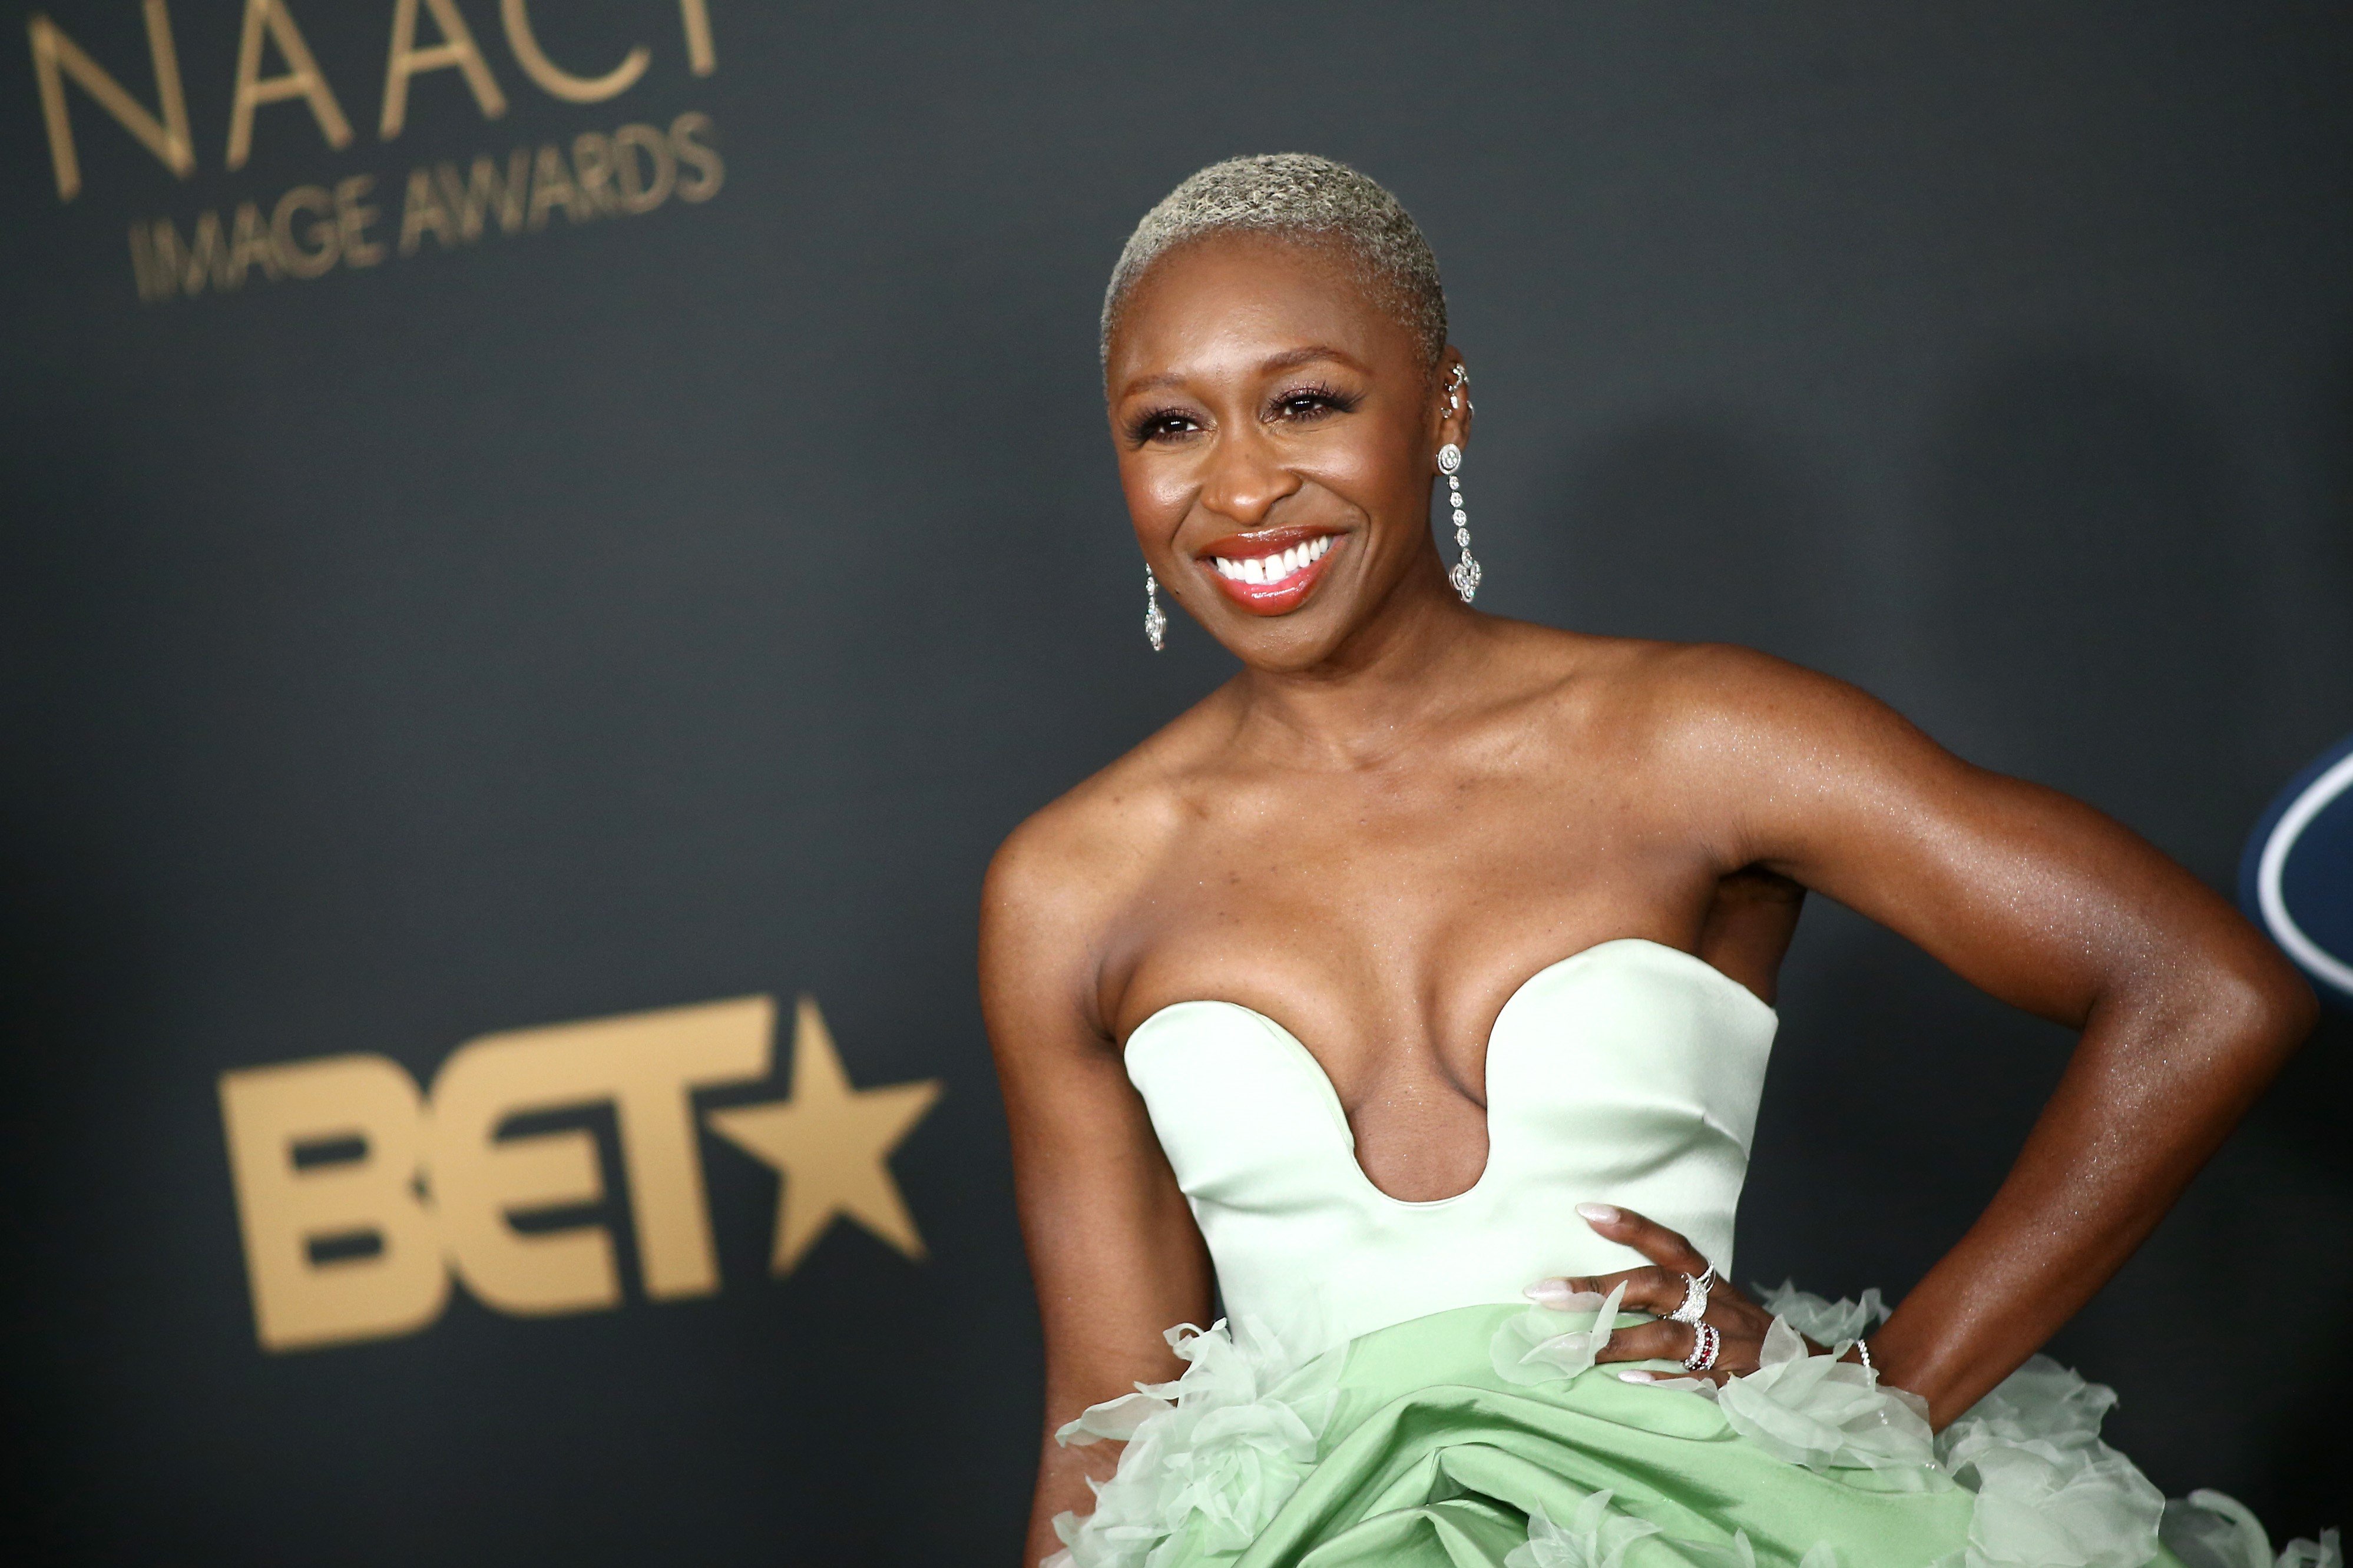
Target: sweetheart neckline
1331	1094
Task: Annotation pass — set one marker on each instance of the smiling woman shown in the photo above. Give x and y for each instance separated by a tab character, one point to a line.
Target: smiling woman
1425	970
1189	358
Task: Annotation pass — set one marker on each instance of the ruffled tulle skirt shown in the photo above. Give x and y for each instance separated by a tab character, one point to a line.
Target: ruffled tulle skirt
1485	1437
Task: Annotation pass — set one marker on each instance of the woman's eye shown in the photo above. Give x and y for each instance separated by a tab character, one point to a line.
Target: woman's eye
1163	427
1310	403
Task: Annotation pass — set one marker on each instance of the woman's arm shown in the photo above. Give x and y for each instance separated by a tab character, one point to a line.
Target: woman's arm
1113	1247
2186	1011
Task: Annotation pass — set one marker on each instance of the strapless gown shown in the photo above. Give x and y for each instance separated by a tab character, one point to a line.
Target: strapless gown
1381	1392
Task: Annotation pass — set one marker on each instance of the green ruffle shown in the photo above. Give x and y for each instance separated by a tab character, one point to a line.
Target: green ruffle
1484	1437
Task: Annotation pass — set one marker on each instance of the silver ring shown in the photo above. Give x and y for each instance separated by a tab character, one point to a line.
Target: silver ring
1695	1305
1706	1341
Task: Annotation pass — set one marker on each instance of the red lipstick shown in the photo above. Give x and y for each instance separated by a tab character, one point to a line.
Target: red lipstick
1270	573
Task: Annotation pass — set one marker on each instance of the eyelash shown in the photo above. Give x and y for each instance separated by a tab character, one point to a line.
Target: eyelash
1320	400
1325	399
1159	422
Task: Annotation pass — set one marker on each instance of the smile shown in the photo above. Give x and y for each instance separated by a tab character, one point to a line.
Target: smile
1266	580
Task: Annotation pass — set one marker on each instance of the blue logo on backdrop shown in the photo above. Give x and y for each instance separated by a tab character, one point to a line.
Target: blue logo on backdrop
2297	877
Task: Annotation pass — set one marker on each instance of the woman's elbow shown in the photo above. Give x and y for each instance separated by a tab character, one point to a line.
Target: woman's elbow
2260	1001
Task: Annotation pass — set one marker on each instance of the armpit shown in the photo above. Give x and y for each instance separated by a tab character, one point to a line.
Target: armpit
1748	927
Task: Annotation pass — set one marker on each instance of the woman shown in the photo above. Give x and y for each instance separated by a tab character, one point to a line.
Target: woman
1425	968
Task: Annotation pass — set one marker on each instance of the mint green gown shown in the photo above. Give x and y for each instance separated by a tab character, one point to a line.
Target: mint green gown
1381	1392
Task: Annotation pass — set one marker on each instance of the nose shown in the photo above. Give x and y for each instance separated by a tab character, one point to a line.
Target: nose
1245	480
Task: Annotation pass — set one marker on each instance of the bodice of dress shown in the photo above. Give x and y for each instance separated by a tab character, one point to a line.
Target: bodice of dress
1628	1073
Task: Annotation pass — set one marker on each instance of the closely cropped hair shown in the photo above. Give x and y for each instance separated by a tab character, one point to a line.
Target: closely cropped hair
1295	195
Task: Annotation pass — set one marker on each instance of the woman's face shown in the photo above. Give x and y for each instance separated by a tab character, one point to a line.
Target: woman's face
1277	432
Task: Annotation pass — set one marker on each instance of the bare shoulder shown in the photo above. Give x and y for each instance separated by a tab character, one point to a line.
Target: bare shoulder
1059	884
1734	749
1772	764
1083	850
1683	702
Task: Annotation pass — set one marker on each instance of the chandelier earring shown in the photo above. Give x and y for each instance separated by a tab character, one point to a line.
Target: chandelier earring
1156	625
1466	574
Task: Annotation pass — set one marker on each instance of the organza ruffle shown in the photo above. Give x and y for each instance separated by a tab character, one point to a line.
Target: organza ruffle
2207	1530
1210	1457
1485	1437
1598	1537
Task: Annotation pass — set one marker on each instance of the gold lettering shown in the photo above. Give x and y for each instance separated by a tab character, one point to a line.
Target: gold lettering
204	258
478	1179
456	48
304	80
352	221
679	1050
648	1065
558	82
422	209
696	156
483	187
324	236
142	267
250	244
637	193
701	57
283	1210
552	186
592	160
56	56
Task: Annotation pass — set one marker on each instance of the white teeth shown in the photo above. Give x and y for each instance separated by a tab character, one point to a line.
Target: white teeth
1265	570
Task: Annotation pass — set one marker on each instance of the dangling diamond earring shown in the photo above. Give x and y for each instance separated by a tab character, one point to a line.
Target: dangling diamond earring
1156	625
1465	576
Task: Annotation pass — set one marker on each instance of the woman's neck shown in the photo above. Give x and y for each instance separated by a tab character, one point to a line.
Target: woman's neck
1395	679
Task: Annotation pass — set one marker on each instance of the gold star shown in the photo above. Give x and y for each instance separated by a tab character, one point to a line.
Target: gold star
829	1144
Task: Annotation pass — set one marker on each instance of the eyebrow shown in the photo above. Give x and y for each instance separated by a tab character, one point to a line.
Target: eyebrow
1287	360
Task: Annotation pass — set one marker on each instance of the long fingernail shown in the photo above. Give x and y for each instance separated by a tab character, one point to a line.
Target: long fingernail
1556	1293
1600	1214
1638	1377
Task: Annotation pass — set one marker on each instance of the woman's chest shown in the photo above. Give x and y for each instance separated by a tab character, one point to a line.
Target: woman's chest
1386	927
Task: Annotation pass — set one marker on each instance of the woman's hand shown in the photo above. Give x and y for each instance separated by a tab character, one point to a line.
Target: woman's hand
1740	1322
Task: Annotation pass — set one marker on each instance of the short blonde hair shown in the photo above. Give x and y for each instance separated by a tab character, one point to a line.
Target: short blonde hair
1294	196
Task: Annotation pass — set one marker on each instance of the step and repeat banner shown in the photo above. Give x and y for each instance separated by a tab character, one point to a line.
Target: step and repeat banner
545	543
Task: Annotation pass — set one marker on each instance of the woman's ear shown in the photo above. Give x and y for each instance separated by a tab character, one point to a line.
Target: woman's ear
1452	406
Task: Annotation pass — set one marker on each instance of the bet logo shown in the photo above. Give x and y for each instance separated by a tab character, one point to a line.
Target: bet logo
359	1197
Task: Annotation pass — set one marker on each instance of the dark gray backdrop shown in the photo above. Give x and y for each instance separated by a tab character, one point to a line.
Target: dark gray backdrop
684	605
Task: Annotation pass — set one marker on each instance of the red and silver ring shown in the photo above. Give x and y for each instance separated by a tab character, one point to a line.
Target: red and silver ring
1706	1341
